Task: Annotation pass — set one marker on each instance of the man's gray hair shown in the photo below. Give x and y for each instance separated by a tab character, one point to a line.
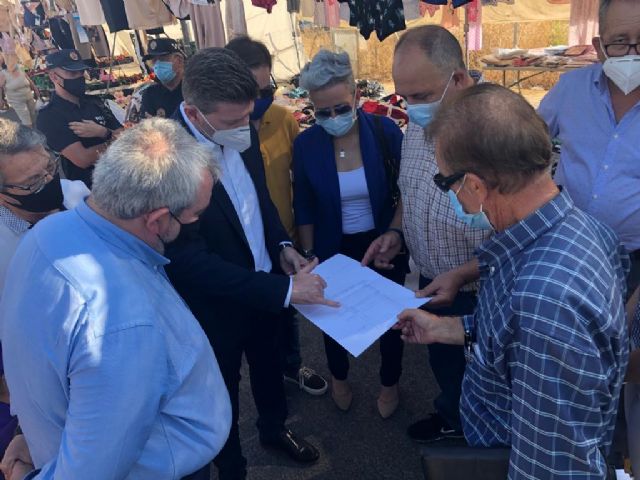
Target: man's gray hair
16	138
438	44
152	165
326	70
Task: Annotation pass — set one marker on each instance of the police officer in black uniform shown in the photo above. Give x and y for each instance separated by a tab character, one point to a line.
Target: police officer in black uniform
163	98
76	125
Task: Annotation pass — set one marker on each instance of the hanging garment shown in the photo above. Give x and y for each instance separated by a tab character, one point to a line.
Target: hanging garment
454	3
307	8
61	33
34	16
207	25
179	8
450	18
146	14
293	6
65	5
411	10
90	12
17	89
268	4
7	44
383	16
5	18
427	7
98	40
235	19
474	16
327	14
115	15
583	22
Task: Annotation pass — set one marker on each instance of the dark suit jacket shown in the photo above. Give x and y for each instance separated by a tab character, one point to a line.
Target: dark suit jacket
316	188
212	265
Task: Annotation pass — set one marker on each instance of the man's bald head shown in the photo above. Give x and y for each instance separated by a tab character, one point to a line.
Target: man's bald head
440	47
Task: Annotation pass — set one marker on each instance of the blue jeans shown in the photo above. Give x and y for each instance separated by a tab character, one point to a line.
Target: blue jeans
447	361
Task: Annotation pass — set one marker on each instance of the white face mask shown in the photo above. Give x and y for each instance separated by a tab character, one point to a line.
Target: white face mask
623	71
235	138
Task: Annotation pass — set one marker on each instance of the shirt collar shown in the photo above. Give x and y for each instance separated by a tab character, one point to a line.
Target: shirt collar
14	223
507	244
118	237
600	79
55	98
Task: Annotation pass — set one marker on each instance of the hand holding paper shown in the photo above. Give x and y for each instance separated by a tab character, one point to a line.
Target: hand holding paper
369	303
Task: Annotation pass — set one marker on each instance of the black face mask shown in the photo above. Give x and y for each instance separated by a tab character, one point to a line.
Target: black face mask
47	199
75	86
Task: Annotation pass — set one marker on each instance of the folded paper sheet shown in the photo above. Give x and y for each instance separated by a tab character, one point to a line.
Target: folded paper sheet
369	303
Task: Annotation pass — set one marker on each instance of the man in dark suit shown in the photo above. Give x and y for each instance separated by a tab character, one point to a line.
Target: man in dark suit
237	268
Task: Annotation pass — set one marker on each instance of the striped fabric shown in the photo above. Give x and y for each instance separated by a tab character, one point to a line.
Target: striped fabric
551	344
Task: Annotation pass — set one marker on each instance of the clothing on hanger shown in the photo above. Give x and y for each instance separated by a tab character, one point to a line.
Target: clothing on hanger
98	40
65	5
383	16
61	33
293	6
454	3
411	10
146	14
235	19
327	14
5	18
474	16
427	7
207	25
267	4
34	15
583	22
179	8
115	15
90	12
7	44
450	18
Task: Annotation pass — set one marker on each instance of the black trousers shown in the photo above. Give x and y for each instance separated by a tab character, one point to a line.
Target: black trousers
202	474
391	345
447	361
256	335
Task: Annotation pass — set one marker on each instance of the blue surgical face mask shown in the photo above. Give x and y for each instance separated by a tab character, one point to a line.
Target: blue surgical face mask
164	71
339	125
260	107
422	113
475	220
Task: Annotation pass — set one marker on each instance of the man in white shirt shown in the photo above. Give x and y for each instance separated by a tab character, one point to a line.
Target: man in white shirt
237	269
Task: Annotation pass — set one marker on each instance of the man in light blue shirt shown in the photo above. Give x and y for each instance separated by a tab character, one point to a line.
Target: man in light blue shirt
110	374
595	113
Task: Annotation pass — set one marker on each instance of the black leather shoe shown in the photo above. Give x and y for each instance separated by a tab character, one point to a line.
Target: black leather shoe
297	448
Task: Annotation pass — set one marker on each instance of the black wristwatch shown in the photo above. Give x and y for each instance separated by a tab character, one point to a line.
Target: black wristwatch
284	245
307	254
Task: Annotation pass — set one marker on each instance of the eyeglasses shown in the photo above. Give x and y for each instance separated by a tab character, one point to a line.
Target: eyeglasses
621	49
268	91
53	165
445	183
324	113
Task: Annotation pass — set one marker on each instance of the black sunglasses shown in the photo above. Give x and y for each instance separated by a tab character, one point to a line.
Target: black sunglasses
324	113
268	91
445	183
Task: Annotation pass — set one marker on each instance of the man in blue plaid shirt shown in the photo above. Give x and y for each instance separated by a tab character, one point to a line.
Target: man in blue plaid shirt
548	345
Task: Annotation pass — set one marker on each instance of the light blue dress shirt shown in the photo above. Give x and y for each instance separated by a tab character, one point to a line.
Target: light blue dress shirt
600	162
110	374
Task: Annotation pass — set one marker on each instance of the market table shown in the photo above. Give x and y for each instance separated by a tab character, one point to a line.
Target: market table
533	72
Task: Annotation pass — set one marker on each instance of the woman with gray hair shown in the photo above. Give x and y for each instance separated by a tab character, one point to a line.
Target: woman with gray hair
345	190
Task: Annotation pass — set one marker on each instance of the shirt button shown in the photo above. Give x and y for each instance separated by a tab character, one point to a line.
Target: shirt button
491	270
606	167
615	135
595	197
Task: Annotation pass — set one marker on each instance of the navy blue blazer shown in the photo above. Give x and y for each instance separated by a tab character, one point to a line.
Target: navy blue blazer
316	189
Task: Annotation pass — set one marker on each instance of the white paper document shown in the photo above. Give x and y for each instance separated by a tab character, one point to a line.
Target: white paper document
369	303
